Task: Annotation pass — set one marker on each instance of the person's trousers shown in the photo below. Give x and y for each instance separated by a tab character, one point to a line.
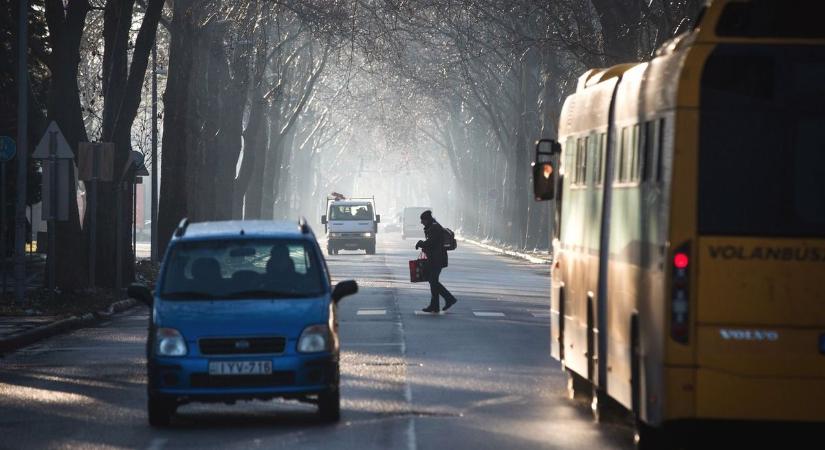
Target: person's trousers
436	288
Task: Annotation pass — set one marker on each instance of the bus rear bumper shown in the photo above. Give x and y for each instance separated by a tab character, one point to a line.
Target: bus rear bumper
722	395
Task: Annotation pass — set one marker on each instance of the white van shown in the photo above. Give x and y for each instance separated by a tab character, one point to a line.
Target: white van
351	224
411	226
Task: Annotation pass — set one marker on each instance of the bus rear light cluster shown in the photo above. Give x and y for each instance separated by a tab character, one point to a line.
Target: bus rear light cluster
680	295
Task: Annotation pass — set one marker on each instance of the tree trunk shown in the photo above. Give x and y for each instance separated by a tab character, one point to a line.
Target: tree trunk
65	33
173	200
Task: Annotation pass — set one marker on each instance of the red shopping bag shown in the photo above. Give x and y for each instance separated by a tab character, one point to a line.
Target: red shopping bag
417	269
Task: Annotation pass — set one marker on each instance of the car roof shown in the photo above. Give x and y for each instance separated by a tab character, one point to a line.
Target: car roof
243	228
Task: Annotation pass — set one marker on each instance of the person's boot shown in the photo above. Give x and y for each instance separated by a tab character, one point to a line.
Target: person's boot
449	303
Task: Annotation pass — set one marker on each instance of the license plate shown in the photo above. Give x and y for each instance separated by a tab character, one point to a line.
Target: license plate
240	367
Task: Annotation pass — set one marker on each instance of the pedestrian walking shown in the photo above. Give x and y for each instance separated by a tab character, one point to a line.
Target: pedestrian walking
436	253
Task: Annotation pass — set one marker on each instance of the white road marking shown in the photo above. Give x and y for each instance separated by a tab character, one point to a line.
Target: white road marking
418	312
372	312
488	314
542	315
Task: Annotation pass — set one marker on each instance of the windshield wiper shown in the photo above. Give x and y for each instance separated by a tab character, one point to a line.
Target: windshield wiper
188	295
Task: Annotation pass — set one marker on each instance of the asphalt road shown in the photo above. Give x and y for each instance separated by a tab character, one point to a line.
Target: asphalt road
479	376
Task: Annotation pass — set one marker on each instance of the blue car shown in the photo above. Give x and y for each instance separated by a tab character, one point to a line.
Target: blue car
242	310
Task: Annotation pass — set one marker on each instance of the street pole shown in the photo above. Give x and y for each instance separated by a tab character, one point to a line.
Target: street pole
154	206
119	238
52	210
3	222
22	154
93	216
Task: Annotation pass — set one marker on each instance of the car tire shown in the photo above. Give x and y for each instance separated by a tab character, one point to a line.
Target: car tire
160	410
329	405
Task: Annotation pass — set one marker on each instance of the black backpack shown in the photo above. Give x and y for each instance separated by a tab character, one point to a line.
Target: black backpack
449	240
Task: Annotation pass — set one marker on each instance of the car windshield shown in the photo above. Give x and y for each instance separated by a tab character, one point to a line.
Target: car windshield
242	269
351	212
412	216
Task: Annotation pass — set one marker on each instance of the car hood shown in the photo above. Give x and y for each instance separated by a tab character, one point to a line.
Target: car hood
281	317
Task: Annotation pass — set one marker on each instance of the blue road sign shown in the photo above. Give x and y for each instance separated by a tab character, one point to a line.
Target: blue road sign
8	148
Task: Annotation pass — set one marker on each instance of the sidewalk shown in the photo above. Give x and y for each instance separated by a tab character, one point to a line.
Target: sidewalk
535	257
41	317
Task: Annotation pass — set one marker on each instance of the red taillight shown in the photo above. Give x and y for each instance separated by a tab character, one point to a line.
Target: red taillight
680	298
680	260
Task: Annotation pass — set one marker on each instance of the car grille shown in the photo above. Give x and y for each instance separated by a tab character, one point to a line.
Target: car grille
242	346
204	380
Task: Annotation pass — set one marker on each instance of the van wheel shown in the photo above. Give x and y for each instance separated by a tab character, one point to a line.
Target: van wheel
329	405
160	410
371	249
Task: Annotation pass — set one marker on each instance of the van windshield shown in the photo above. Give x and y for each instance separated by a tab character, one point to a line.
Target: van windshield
242	269
762	142
412	216
351	212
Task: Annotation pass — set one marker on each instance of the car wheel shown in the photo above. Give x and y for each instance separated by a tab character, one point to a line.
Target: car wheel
329	405
160	411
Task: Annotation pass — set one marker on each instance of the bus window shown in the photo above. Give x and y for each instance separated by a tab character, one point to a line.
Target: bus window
762	145
634	154
660	144
647	153
602	152
620	157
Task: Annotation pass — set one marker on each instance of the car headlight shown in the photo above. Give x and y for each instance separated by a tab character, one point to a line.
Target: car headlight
314	339
366	234
169	342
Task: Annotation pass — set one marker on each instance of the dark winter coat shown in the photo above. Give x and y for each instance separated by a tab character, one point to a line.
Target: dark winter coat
433	246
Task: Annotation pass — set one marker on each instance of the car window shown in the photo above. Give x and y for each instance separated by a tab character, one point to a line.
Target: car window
351	212
243	269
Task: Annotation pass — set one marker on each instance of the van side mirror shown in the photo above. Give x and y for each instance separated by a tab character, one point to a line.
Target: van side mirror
377	218
140	293
544	170
344	289
324	219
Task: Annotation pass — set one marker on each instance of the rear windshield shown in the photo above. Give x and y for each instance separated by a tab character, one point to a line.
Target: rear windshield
772	19
413	215
762	142
242	269
351	212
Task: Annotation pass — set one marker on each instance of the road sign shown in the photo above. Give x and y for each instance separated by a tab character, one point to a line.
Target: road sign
61	190
63	150
8	148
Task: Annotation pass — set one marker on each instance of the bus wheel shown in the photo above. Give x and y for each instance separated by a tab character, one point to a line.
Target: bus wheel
646	437
578	388
605	409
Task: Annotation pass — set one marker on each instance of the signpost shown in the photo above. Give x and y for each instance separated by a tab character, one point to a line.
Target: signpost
55	150
8	148
135	167
23	143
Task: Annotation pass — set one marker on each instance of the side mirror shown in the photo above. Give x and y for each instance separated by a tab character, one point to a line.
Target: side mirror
544	172
344	289
324	219
140	293
377	218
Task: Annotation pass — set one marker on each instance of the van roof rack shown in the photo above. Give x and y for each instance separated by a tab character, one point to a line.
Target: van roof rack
304	226
181	229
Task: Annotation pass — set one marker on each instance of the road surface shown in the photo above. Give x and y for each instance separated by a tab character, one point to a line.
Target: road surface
479	376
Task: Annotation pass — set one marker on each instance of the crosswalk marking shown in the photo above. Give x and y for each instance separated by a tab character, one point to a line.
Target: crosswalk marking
488	314
371	312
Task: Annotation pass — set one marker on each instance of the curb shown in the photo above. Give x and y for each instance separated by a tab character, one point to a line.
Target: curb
502	251
28	337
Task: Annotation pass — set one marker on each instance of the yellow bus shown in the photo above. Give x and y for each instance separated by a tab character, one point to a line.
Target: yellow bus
689	237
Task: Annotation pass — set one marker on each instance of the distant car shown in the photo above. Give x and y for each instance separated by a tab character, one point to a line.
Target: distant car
243	310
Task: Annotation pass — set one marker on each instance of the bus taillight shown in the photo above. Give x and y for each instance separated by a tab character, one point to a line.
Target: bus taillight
680	298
